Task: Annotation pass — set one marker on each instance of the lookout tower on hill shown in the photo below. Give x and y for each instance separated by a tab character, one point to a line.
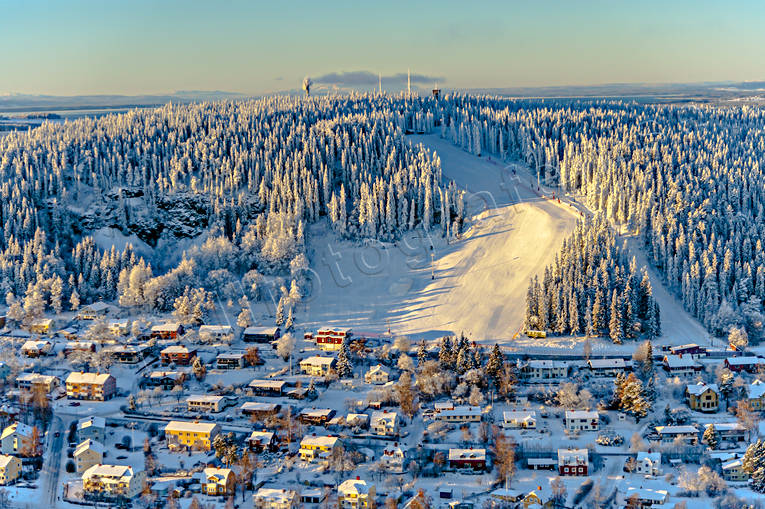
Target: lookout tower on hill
436	91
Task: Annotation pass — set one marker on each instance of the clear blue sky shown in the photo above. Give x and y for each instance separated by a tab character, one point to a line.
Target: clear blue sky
135	47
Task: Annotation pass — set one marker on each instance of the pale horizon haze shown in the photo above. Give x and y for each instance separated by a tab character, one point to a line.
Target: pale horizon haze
134	48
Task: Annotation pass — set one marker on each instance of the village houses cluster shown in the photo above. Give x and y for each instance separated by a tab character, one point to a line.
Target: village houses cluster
158	413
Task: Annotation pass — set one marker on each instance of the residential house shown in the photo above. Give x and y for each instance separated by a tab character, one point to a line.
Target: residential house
535	370
607	367
460	414
94	386
197	435
317	365
733	471
522	419
216	332
648	463
702	397
314	447
378	375
755	395
355	494
119	327
677	365
79	346
19	439
330	339
392	458
128	354
573	462
581	420
112	482
474	459
748	364
267	387
92	428
691	350
10	469
316	416
642	498
273	498
36	348
260	441
87	454
259	411
261	334
688	434
42	326
234	360
384	423
165	379
218	481
31	382
177	354
730	432
169	330
93	311
205	403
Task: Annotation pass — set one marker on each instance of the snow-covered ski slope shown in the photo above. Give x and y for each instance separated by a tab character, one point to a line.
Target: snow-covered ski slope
480	280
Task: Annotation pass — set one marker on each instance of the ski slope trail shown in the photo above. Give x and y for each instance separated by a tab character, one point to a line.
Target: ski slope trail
476	284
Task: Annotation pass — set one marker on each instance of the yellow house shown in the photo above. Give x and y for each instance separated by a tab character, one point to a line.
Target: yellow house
10	469
703	397
218	481
321	447
94	386
755	394
41	326
355	494
112	481
87	454
534	501
197	435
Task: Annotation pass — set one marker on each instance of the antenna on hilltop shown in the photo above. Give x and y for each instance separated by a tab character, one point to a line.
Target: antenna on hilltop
379	76
408	83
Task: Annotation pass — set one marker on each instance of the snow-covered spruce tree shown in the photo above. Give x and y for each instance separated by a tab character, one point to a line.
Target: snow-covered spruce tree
592	268
710	436
344	367
754	464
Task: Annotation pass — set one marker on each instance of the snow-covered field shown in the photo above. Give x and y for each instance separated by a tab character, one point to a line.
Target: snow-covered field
480	280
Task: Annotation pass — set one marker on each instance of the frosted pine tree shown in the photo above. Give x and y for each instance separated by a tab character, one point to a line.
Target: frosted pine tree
710	436
344	365
495	367
280	312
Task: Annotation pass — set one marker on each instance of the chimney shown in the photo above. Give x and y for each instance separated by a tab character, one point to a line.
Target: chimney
358	477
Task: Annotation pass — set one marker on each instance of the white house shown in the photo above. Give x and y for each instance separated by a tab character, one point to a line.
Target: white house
392	459
677	365
93	428
607	367
384	423
648	463
460	414
355	494
523	419
635	498
688	434
317	365
378	375
274	498
581	420
534	370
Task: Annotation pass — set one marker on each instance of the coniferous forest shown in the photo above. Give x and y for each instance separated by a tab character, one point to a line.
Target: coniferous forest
246	178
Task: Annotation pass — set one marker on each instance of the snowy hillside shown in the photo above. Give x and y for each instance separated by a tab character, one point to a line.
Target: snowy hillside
480	280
